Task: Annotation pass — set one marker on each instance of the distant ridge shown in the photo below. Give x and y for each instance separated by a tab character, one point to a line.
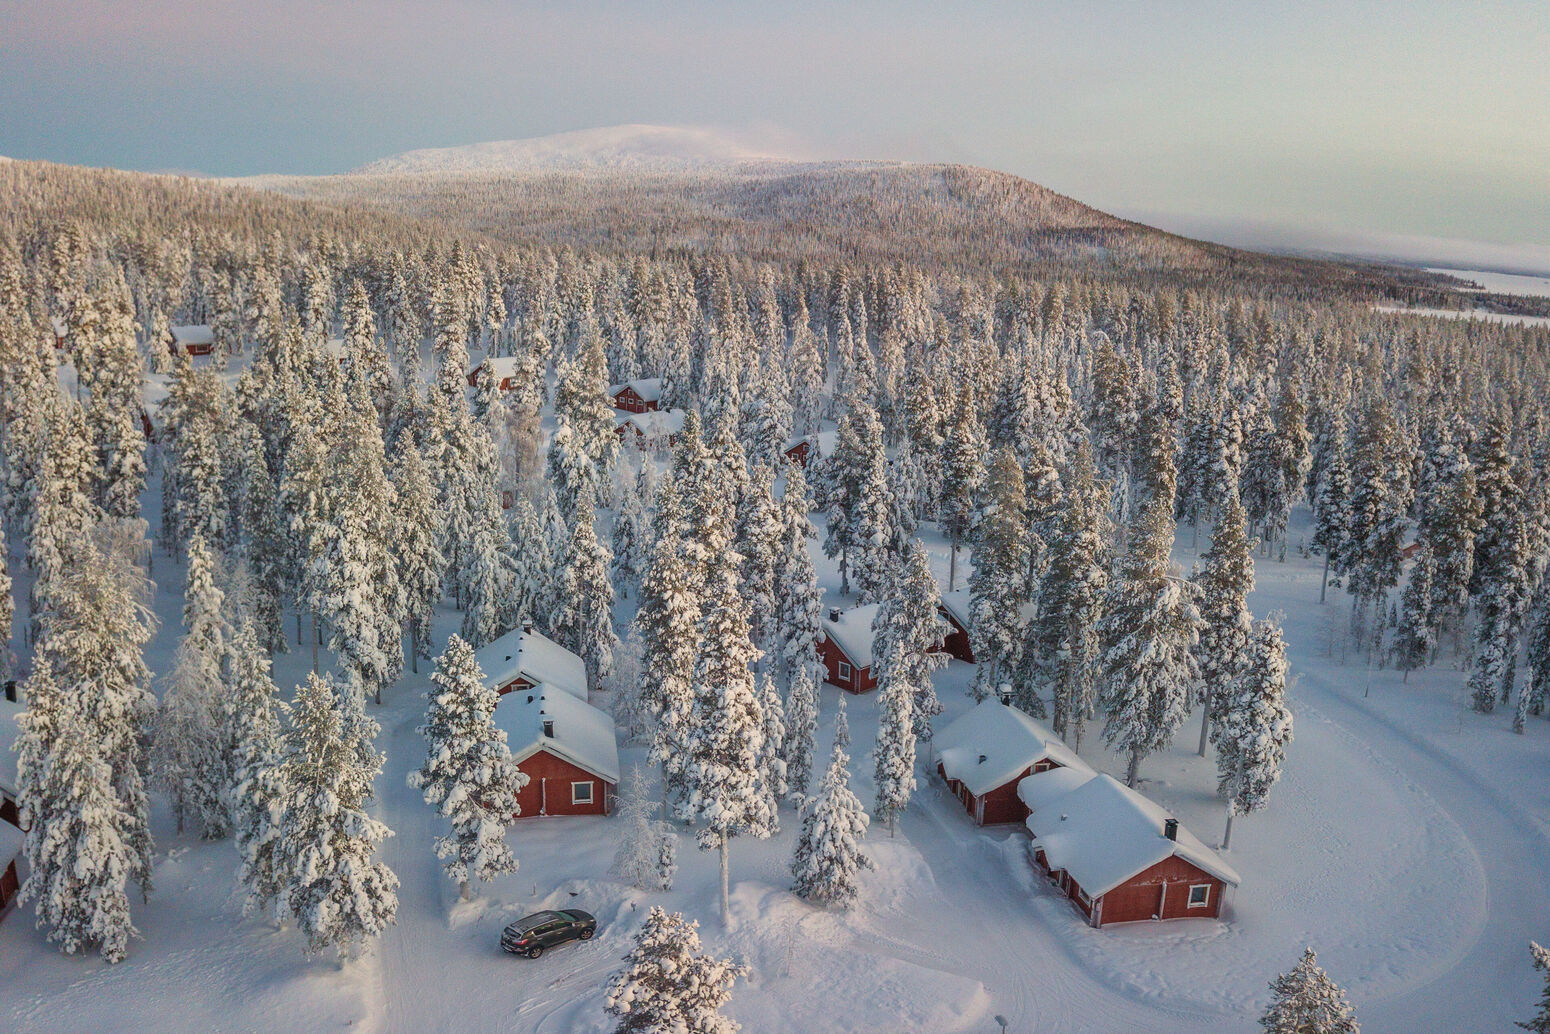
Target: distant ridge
614	149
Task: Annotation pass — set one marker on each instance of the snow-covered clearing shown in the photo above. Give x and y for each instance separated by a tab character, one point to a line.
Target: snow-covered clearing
1408	843
1467	314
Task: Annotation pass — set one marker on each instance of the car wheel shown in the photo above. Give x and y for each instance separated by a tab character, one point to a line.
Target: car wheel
535	951
586	935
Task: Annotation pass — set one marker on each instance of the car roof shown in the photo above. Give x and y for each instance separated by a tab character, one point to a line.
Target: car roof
538	919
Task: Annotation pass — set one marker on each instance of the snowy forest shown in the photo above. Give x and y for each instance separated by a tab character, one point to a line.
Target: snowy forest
343	504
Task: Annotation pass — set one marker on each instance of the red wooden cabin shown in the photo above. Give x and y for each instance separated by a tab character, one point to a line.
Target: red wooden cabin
845	647
642	396
984	754
565	747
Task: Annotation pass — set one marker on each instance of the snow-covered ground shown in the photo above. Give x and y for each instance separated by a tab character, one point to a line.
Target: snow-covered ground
1501	283
1408	842
1467	314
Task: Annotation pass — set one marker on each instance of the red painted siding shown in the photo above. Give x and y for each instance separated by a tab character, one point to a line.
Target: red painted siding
957	641
860	680
630	402
9	812
9	884
1142	895
548	789
1000	804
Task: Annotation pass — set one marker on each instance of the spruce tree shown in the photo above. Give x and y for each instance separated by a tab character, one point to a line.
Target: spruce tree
828	857
1306	1001
585	622
258	791
801	727
1149	628
189	759
1415	637
1224	586
647	854
468	775
773	761
420	561
999	580
799	601
1540	1024
724	773
963	466
1256	726
668	625
339	896
667	985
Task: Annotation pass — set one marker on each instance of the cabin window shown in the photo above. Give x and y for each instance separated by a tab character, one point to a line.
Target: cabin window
844	671
1199	895
1084	898
581	793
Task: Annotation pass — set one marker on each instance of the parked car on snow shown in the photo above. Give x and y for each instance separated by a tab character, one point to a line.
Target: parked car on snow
530	935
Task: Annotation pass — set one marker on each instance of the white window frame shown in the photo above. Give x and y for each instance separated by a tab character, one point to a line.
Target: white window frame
1084	897
846	672
575	788
1205	902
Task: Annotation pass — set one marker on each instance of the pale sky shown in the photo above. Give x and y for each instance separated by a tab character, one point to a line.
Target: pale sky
1421	124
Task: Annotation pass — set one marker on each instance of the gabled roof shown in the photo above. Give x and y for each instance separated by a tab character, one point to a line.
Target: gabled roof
822	443
9	731
193	334
852	633
1102	833
654	424
535	657
1009	740
957	604
648	388
11	842
583	735
501	366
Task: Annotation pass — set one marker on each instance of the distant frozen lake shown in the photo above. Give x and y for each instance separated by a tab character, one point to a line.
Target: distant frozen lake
1501	283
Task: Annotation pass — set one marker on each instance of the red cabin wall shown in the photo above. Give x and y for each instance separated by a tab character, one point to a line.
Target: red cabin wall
861	679
548	788
628	401
9	812
1138	898
9	884
957	642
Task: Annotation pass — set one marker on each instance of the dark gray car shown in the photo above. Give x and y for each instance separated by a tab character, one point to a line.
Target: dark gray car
532	935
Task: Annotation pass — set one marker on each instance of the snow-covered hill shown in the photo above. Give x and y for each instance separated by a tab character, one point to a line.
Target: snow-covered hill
633	148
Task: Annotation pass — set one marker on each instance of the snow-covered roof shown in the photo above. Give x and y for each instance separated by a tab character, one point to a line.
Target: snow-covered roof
1008	740
500	366
852	633
194	334
536	658
1102	833
655	424
61	328
822	443
11	842
9	731
957	603
648	388
583	735
335	347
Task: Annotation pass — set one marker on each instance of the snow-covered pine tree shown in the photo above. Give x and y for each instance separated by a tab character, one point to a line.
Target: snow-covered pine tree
1536	687
758	539
1380	497
801	727
1149	628
1415	635
724	773
94	640
872	557
998	583
1306	1001
338	894
668	623
587	597
963	467
1331	506
1448	519
421	564
1063	639
485	580
630	543
828	857
189	759
647	854
667	985
257	794
1500	584
773	760
1256	726
1540	1024
1224	584
77	857
468	775
799	601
